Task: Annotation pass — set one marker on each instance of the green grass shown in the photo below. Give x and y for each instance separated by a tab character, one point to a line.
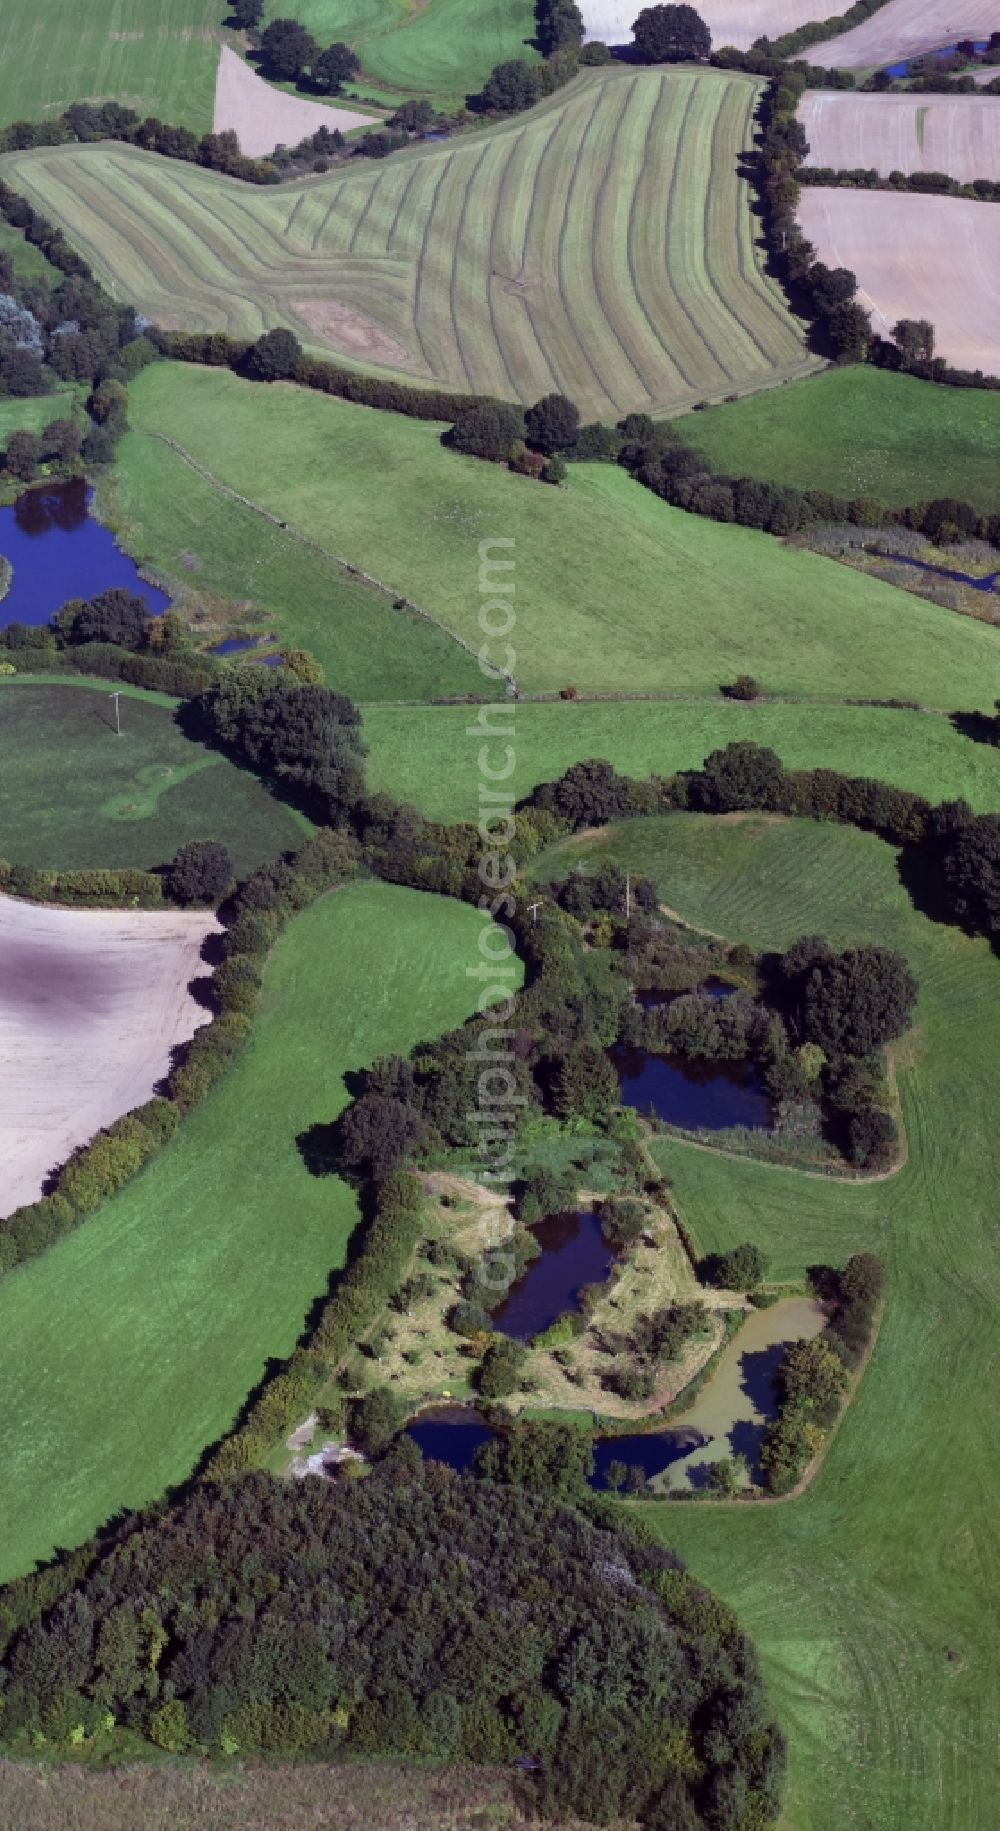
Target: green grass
602	245
131	1344
28	260
34	412
861	432
615	591
228	567
76	794
157	56
444	48
871	1599
424	755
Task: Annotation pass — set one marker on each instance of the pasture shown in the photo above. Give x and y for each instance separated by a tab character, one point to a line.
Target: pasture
614	589
231	569
93	1002
132	1343
870	1597
77	795
916	257
548	253
157	56
444	48
427	755
957	134
861	431
903	29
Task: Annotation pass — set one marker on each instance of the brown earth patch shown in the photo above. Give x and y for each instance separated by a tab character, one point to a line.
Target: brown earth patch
351	331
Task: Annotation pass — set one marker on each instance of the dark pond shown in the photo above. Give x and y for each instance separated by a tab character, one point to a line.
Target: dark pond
692	1093
712	988
235	645
453	1434
574	1253
991	582
58	551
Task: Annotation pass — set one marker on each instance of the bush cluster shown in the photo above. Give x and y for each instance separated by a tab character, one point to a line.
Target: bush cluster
813	1378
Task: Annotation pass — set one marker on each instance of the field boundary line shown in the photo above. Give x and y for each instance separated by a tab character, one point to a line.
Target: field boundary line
306	540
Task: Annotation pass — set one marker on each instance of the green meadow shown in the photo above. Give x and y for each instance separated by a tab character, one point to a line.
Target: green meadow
861	432
157	56
77	794
871	1598
429	754
443	48
228	568
130	1345
614	590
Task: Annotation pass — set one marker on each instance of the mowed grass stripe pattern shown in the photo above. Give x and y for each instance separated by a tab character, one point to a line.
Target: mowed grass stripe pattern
601	245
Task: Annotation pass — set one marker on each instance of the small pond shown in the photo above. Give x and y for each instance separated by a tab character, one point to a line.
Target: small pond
904	67
696	1094
574	1253
712	988
58	551
236	645
728	1418
453	1433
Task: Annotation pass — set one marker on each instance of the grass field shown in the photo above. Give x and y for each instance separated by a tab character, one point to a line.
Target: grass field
551	252
131	1344
614	590
158	56
228	567
444	48
428	755
861	432
28	260
871	1599
75	794
32	413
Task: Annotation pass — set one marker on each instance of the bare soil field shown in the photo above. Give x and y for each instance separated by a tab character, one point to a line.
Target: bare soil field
957	134
729	22
904	28
353	332
263	118
917	257
92	1002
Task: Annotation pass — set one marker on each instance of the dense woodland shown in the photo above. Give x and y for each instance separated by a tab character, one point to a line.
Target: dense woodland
414	1612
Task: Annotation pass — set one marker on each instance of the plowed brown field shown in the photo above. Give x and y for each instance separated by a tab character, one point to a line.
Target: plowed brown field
917	257
957	134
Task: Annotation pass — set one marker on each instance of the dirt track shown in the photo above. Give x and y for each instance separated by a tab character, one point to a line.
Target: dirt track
917	257
904	28
957	134
263	118
91	1004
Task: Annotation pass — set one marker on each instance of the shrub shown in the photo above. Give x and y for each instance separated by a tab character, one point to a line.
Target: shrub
274	357
501	1368
490	430
200	872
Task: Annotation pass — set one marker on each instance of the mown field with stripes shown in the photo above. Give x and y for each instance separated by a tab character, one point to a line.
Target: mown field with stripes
602	245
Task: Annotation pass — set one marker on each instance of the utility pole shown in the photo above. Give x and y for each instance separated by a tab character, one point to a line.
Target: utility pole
628	897
533	909
118	717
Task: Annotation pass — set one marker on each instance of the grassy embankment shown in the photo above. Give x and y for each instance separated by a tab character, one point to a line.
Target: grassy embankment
157	56
871	1598
861	432
544	252
614	590
76	794
131	1344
